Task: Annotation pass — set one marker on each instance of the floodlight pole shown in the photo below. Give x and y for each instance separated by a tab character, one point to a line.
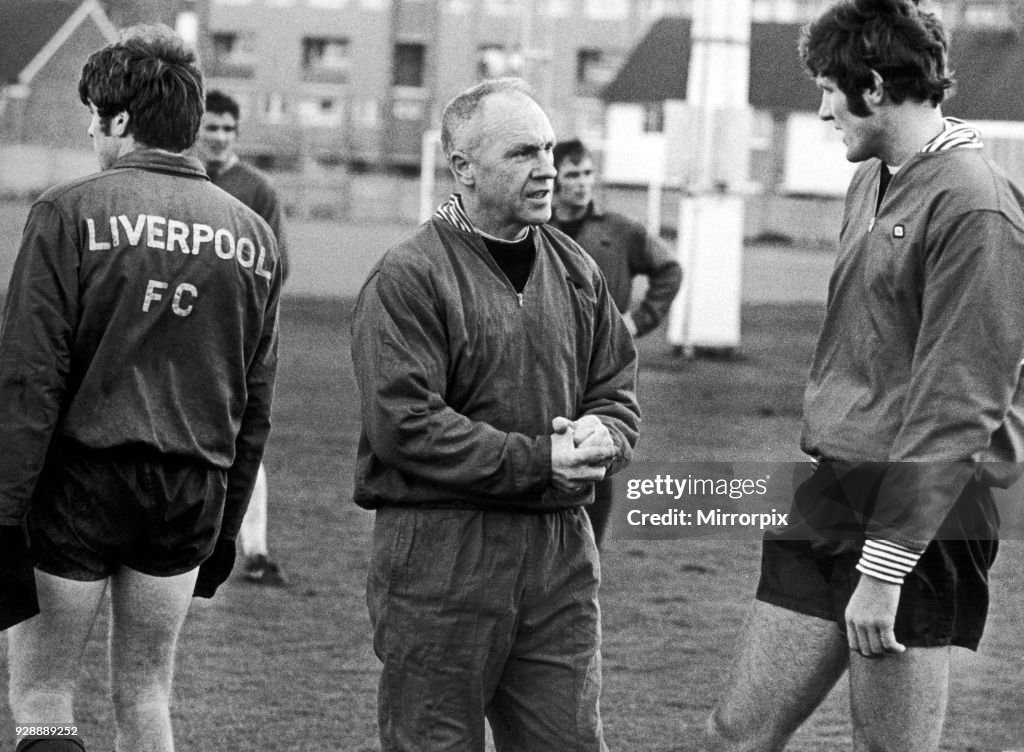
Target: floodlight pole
714	176
428	172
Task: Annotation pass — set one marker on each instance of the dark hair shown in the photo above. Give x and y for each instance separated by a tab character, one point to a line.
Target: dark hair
572	150
904	44
460	110
151	75
220	103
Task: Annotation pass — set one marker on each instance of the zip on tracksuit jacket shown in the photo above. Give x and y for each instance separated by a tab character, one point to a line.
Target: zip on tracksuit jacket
919	360
460	376
142	309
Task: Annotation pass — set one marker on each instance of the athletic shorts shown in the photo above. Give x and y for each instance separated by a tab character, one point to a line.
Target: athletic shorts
95	511
943	601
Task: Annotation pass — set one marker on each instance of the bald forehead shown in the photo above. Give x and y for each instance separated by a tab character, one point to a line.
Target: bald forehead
508	116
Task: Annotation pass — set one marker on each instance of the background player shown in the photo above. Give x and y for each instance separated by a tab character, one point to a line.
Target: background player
218	134
624	250
137	362
911	390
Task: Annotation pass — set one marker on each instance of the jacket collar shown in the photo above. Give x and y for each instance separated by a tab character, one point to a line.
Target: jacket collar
956	135
161	161
452	212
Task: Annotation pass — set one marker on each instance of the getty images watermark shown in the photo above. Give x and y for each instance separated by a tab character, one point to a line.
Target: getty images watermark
744	500
689	487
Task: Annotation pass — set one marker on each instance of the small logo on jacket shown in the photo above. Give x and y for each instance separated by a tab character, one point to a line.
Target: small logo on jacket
898	231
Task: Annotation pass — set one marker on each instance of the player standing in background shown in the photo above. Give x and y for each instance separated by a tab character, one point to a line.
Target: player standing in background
216	148
624	250
497	385
137	364
914	388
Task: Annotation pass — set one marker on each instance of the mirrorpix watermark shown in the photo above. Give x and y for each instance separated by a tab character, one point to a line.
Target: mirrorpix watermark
709	499
829	500
690	487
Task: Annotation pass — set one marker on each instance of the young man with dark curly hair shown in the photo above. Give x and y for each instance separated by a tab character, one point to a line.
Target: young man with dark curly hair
137	363
912	408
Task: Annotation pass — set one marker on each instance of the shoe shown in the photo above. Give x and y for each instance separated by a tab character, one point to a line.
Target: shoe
262	571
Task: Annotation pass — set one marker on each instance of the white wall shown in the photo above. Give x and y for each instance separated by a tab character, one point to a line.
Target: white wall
631	157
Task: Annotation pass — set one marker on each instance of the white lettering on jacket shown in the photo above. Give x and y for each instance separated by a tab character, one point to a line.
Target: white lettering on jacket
172	235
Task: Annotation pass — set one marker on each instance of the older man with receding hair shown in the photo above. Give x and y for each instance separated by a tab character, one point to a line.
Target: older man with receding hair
497	383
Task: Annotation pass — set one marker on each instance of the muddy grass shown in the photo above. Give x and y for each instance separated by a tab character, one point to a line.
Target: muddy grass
282	670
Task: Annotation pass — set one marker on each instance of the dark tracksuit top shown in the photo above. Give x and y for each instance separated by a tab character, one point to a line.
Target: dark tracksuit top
624	250
252	188
460	376
919	360
142	310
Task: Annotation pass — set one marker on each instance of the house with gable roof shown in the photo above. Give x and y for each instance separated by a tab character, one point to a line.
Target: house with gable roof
43	44
792	150
43	124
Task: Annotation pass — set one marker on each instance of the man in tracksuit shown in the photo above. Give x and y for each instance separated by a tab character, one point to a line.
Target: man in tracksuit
137	363
913	408
624	250
215	146
497	386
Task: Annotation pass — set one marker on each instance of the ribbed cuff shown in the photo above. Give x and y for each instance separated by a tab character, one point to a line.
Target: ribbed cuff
887	561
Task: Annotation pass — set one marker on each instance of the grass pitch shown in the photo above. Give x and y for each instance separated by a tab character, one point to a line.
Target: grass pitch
289	669
294	669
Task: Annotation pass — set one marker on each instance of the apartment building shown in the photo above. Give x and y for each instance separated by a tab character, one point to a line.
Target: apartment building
358	82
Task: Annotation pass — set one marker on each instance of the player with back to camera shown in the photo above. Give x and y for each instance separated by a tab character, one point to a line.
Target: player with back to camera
913	390
137	363
215	146
497	384
624	250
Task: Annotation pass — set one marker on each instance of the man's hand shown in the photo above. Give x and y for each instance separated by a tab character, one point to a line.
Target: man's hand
18	598
586	432
871	616
580	453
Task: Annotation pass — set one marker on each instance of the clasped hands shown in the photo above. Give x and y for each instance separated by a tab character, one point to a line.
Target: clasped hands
581	452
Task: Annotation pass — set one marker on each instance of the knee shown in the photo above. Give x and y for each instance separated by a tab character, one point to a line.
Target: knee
32	702
740	733
131	696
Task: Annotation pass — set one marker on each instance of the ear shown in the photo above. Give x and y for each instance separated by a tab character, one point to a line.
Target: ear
119	124
876	93
462	168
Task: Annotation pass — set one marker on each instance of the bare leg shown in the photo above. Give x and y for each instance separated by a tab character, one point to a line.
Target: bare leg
898	702
252	537
787	665
44	653
148	613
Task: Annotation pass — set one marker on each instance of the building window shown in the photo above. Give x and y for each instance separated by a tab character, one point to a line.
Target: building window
595	69
232	55
409	65
606	10
275	108
325	58
320	112
500	7
494	61
654	117
555	8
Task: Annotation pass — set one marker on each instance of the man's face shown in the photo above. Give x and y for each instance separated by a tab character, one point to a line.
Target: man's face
575	184
106	146
510	147
863	136
217	134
